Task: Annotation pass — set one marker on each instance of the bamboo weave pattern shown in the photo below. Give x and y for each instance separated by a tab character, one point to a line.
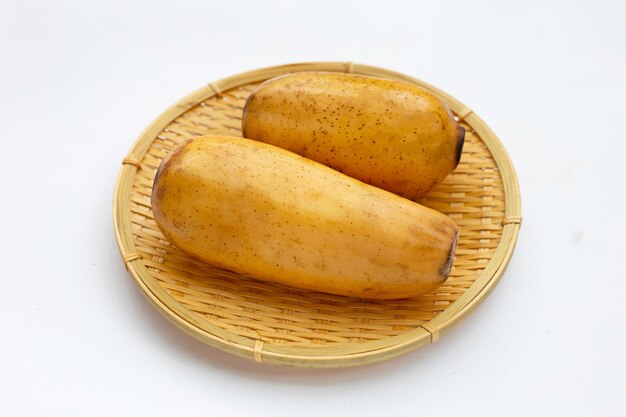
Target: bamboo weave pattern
472	196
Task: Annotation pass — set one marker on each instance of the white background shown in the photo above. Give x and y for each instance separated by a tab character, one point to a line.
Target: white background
79	81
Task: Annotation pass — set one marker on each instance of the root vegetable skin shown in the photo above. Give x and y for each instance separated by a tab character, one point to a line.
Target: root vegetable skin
390	134
263	211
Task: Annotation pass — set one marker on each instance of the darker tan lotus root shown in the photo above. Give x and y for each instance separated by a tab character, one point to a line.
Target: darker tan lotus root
390	134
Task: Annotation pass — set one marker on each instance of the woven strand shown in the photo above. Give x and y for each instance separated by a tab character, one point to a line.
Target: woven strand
129	160
129	257
216	89
132	256
350	67
512	219
434	333
256	351
466	111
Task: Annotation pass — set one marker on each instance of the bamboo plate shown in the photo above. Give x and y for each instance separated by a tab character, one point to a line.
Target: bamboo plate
277	324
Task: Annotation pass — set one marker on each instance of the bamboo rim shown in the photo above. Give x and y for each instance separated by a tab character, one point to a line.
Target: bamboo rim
354	354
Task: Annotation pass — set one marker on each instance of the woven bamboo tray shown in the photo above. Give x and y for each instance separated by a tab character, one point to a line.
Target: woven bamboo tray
272	323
